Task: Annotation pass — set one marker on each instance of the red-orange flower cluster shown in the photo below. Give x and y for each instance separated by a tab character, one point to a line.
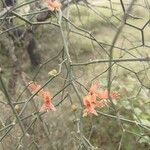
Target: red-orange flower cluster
53	5
34	87
95	99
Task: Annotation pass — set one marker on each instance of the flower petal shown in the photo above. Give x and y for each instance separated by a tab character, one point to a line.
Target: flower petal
46	107
53	5
94	87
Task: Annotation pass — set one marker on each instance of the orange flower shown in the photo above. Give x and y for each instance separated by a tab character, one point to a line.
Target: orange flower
34	87
94	88
90	106
90	102
95	99
53	5
47	102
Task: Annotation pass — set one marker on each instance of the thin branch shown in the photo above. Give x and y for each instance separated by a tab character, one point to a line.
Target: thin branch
145	59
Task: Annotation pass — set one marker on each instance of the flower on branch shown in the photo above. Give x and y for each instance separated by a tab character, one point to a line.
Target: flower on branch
94	87
95	99
47	102
89	103
53	5
34	87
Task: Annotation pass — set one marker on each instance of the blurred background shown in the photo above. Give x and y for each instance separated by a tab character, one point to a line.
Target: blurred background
65	51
